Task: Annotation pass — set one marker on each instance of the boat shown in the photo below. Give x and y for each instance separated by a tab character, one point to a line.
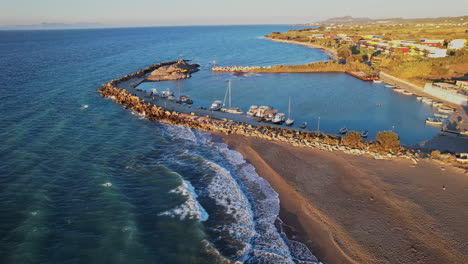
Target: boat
377	81
184	99
398	90
289	121
278	118
154	91
230	109
389	86
216	105
419	98
441	116
364	134
269	114
434	121
261	111
343	130
437	104
252	111
303	125
406	93
167	94
445	110
427	100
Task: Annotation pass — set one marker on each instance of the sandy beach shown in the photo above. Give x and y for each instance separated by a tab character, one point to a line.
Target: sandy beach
354	209
331	52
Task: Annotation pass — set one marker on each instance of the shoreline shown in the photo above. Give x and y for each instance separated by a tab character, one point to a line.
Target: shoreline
329	51
342	205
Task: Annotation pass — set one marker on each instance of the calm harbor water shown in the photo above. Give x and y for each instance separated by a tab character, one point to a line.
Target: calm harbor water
99	184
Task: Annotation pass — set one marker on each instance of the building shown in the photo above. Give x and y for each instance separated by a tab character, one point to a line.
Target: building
462	84
457	44
437	53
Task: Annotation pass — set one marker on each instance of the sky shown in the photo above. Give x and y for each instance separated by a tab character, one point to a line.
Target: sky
217	12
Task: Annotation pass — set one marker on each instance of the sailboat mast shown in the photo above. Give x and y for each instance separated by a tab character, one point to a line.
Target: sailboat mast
229	87
289	108
178	86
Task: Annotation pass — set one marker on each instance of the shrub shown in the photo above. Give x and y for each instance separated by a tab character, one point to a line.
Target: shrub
388	140
352	139
435	154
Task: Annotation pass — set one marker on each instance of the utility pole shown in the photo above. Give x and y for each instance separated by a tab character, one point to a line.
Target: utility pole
318	124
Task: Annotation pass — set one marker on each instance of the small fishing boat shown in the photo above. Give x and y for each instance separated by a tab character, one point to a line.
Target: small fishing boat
167	94
154	91
343	130
252	110
216	105
303	125
377	81
434	121
441	116
261	111
232	110
184	99
419	98
406	93
278	118
289	121
365	134
398	90
445	110
389	86
427	100
437	104
269	114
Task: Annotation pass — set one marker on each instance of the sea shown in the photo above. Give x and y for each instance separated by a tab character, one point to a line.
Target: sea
84	181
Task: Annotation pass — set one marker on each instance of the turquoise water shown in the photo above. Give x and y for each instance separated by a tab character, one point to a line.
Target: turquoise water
101	185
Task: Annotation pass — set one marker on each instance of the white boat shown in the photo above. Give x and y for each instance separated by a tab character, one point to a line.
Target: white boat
216	105
343	130
154	91
437	104
261	111
184	99
419	98
445	110
289	121
303	125
252	110
278	118
441	116
427	100
434	121
377	81
230	109
167	94
389	86
364	134
406	93
398	90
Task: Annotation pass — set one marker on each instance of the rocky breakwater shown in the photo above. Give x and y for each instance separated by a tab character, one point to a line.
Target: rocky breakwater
175	71
239	68
224	126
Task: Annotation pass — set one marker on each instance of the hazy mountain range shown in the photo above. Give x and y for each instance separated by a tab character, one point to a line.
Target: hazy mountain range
54	26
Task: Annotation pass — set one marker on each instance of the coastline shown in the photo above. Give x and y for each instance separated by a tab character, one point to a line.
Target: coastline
354	209
329	51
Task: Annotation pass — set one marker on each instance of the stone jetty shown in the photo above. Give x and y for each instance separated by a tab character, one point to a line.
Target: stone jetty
132	98
239	68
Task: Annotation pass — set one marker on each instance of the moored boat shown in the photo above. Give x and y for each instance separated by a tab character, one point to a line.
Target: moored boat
434	121
419	98
167	94
343	130
184	99
252	110
406	93
445	110
389	86
441	116
278	118
261	110
230	109
437	104
289	121
216	105
427	100
365	134
303	125
377	81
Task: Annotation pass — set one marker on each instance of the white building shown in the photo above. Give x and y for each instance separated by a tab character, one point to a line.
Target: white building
462	84
457	44
436	53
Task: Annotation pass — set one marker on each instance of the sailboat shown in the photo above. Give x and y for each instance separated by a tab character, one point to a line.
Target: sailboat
183	99
230	109
289	121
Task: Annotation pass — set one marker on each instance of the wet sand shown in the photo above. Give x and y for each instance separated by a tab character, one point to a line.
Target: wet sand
354	209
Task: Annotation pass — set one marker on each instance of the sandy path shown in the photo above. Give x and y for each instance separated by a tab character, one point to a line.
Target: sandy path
354	209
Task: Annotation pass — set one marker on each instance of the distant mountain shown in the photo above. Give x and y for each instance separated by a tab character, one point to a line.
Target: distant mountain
54	26
344	20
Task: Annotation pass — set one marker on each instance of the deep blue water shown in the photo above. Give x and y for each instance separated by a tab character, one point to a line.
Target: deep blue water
101	185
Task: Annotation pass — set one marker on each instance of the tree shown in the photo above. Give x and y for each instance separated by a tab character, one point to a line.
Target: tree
344	52
388	140
352	139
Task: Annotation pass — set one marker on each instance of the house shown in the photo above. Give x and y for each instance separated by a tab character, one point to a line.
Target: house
436	53
462	84
457	44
